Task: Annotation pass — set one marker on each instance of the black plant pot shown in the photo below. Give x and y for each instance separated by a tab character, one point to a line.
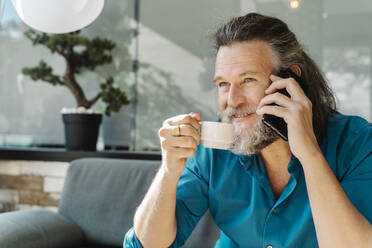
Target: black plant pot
81	131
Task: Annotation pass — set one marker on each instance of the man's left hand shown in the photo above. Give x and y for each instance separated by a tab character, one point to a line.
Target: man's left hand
296	112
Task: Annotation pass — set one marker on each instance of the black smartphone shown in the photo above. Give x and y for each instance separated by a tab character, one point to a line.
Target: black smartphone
277	124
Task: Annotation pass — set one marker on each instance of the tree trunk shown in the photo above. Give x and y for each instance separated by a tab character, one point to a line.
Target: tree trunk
71	83
75	88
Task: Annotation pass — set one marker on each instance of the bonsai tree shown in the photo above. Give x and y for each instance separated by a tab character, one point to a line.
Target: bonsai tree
80	54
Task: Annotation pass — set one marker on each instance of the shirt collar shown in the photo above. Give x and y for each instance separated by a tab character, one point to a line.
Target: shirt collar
247	161
294	166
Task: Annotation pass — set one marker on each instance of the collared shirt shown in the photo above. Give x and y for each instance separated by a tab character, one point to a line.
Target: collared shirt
237	191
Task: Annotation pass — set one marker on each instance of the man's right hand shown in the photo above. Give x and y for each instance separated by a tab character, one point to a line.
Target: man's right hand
177	147
155	221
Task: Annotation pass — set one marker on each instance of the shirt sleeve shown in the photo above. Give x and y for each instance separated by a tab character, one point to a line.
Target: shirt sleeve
357	182
131	240
192	199
191	203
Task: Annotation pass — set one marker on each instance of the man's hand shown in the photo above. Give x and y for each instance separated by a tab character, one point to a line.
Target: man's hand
155	221
296	112
179	139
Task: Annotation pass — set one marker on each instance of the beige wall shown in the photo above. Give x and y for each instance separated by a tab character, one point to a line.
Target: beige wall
31	184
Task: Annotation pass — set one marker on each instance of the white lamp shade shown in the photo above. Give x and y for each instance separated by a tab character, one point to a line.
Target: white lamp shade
58	16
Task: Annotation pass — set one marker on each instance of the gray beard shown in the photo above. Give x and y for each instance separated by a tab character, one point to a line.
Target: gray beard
247	141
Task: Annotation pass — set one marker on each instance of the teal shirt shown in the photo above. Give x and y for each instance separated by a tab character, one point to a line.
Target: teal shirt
237	191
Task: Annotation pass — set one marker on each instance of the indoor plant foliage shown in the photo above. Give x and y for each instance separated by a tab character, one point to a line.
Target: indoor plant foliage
80	54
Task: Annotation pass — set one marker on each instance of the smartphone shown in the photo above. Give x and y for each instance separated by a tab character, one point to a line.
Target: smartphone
277	124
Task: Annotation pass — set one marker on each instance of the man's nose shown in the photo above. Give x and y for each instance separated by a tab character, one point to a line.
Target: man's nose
236	96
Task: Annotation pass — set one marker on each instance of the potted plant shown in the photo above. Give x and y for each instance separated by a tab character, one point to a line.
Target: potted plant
80	54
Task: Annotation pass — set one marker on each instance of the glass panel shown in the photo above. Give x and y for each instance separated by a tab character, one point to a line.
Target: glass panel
338	36
348	69
177	63
175	38
30	111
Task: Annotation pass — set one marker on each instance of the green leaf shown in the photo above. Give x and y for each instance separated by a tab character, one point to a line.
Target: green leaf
42	72
114	97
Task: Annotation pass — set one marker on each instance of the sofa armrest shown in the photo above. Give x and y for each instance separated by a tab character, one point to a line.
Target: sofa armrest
38	229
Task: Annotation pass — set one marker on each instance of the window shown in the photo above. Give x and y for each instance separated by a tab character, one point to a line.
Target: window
176	64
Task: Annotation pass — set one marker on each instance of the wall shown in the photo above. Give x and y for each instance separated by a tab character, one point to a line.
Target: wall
31	184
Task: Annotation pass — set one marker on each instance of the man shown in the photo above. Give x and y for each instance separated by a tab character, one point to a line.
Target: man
313	190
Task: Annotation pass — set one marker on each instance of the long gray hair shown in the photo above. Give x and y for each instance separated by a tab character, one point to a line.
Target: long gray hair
288	51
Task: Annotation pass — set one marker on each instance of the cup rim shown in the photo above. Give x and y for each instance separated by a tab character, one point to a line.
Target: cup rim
218	123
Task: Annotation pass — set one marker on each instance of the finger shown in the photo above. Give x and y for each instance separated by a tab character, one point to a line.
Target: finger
168	130
273	110
184	119
292	86
274	77
196	116
277	83
185	130
188	130
183	152
276	98
182	141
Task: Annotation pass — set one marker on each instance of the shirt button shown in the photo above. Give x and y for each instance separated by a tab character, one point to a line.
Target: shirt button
269	246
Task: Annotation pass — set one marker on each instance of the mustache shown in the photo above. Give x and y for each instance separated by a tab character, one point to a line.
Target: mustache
229	112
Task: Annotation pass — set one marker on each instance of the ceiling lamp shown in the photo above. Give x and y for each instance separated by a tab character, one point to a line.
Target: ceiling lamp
294	4
58	16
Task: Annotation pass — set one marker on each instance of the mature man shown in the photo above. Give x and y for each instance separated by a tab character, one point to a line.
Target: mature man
313	190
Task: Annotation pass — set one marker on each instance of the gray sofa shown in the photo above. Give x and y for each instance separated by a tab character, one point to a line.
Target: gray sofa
96	210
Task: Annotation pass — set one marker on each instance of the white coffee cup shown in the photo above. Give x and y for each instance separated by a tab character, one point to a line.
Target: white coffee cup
218	135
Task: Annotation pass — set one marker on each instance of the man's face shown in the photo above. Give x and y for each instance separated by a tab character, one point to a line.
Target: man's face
242	74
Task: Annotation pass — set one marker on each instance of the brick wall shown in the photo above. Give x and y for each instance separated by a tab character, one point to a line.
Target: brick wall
31	184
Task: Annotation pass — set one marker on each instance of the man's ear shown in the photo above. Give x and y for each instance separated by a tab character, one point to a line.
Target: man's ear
296	69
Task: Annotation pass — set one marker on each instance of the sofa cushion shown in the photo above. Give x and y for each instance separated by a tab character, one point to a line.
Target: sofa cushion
205	233
38	228
101	195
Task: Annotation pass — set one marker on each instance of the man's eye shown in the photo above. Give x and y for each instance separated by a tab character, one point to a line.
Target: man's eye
222	84
249	80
